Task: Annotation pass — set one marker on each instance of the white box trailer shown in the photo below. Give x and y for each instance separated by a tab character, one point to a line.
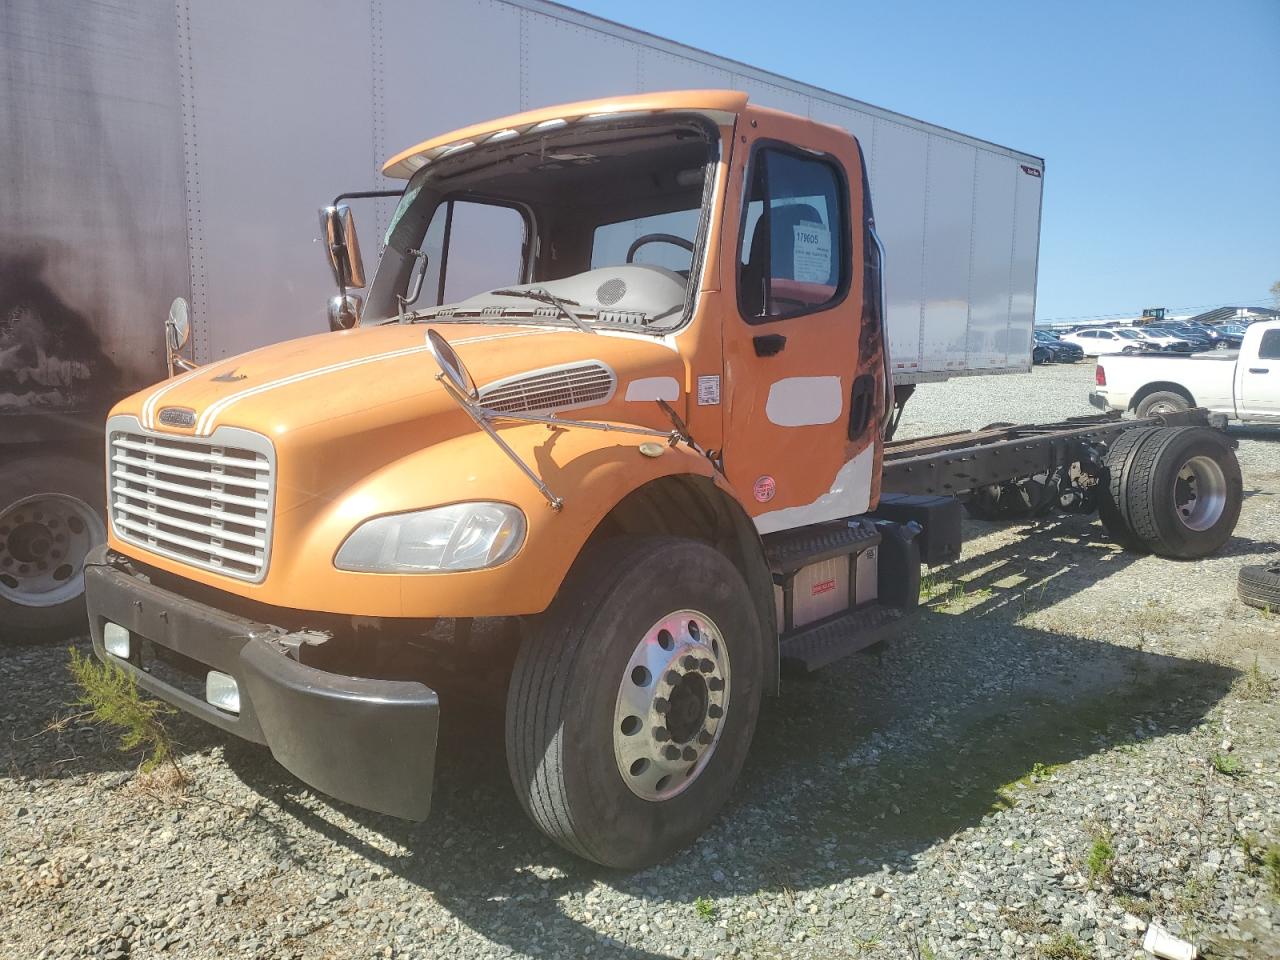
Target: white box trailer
159	148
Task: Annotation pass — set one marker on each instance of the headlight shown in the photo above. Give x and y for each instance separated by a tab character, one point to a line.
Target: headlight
464	536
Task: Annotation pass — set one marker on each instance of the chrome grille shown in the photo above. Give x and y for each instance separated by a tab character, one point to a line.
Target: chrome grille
556	388
206	502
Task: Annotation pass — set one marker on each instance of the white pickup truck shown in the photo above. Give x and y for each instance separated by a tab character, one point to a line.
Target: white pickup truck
1239	384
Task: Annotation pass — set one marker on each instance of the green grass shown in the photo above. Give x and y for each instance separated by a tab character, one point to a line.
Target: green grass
1254	685
1101	860
1064	947
705	909
1271	868
1227	766
112	698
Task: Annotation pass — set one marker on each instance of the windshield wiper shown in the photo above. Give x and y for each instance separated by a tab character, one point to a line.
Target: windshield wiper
542	295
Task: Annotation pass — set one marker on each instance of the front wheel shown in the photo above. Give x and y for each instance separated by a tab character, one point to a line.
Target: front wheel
634	698
1161	402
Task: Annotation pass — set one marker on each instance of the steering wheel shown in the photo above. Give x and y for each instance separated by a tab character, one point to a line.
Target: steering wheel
657	238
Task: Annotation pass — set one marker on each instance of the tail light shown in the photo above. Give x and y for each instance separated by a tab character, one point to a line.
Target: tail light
1099	376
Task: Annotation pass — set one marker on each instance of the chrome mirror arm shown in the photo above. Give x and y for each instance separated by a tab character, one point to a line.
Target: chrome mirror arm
478	414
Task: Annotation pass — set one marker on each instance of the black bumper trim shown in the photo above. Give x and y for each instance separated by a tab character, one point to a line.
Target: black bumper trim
368	742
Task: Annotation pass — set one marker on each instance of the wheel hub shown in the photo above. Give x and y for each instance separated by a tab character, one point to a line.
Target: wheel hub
43	542
1200	493
671	705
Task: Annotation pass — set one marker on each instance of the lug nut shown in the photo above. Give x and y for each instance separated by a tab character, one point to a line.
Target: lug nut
690	662
660	734
672	677
671	752
704	738
660	704
715	712
690	754
706	666
715	684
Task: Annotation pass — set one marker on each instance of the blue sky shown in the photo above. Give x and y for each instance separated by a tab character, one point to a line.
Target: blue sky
1159	120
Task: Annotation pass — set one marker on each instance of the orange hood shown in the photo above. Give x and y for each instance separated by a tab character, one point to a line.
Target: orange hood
343	404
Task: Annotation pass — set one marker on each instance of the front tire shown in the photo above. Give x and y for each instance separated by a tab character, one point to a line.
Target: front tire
50	518
648	666
1162	401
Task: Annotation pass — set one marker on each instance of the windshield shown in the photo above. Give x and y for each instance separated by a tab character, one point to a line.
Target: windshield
591	224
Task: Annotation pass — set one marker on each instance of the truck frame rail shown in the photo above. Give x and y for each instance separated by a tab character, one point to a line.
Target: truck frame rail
951	464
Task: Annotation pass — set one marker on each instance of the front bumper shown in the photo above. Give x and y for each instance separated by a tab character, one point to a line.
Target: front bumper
368	742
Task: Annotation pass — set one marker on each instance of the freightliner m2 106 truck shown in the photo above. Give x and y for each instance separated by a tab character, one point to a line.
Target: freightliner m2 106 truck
631	470
160	148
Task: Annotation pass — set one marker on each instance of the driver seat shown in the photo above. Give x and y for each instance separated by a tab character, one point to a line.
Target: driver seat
772	253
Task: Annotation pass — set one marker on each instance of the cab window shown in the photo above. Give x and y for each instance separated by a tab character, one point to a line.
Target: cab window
667	241
470	246
794	256
1269	347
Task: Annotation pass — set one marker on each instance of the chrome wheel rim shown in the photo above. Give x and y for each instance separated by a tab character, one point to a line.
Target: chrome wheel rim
671	706
43	543
1163	406
1200	493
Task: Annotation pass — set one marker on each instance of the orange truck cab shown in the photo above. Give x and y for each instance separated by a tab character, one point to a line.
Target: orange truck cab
605	430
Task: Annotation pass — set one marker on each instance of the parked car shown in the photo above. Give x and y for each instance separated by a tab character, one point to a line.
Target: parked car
1164	340
1196	336
1104	340
1049	348
1232	334
1244	387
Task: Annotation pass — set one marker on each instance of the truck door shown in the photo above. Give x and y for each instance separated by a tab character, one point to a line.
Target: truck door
1259	377
803	391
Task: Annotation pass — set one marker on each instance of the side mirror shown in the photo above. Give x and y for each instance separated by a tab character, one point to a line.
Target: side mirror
345	310
344	247
177	333
451	365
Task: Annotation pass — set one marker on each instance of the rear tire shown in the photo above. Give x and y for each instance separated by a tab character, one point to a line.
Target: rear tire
1162	401
1172	491
51	510
1259	586
566	748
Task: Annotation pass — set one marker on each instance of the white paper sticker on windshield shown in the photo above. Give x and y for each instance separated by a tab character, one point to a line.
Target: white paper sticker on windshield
812	259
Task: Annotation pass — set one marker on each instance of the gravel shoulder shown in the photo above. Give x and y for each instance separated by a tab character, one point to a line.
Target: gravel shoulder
1069	743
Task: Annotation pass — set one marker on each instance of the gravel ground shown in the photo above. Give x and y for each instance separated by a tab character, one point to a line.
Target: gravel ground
1057	702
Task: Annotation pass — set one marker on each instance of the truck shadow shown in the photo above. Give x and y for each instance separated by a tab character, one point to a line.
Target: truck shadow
862	767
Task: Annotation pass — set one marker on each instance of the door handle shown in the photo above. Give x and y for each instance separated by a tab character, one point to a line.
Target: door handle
1259	369
769	344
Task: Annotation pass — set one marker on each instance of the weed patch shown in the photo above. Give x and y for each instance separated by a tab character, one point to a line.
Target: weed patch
112	698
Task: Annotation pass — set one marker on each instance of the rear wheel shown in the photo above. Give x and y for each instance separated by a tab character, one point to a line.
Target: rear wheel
634	698
50	517
1160	402
1172	491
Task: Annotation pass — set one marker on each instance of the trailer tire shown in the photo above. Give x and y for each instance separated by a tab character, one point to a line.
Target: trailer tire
1258	585
566	748
50	517
1180	492
1161	401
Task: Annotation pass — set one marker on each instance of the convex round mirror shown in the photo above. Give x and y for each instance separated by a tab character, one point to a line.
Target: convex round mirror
451	365
177	328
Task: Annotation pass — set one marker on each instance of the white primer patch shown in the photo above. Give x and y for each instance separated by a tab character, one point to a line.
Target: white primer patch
804	401
654	388
850	495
